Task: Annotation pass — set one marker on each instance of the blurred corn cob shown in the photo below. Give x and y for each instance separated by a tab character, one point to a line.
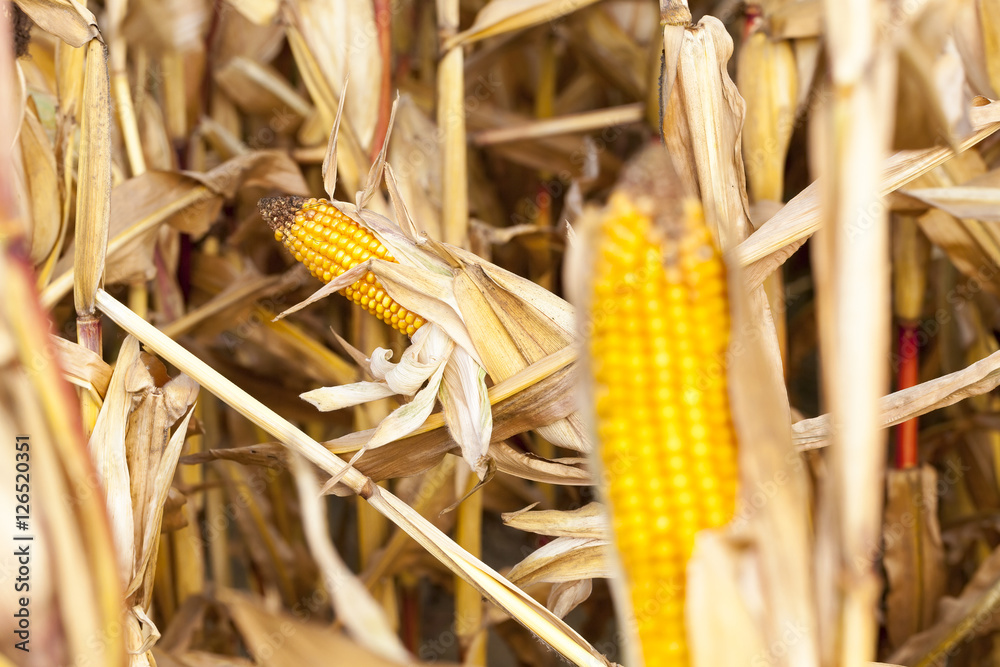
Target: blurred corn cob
659	330
329	243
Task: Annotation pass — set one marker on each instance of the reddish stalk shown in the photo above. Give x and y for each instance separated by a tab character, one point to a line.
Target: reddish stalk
409	611
906	433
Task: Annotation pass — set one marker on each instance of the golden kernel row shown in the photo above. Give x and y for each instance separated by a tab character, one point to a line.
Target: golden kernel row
329	243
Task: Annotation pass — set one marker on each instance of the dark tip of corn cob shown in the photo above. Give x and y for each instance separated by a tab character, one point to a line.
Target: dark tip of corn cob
279	212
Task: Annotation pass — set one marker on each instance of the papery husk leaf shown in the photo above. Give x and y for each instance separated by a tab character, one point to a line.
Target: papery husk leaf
767	80
327	399
407	418
329	168
164	474
702	129
518	411
378	167
466	406
979	378
779	529
914	554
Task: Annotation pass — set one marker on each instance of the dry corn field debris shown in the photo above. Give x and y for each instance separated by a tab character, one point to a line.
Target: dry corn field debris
681	344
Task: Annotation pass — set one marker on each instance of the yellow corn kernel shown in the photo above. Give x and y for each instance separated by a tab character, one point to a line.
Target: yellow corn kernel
658	342
329	243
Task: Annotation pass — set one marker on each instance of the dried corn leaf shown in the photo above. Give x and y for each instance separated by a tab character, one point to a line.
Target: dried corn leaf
494	588
962	202
258	88
81	366
778	238
79	597
328	31
914	554
501	16
979	378
959	619
415	175
362	616
176	30
571	471
66	19
590	521
564	559
153	456
300	642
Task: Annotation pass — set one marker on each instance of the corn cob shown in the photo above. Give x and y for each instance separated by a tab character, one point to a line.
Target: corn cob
329	243
658	336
